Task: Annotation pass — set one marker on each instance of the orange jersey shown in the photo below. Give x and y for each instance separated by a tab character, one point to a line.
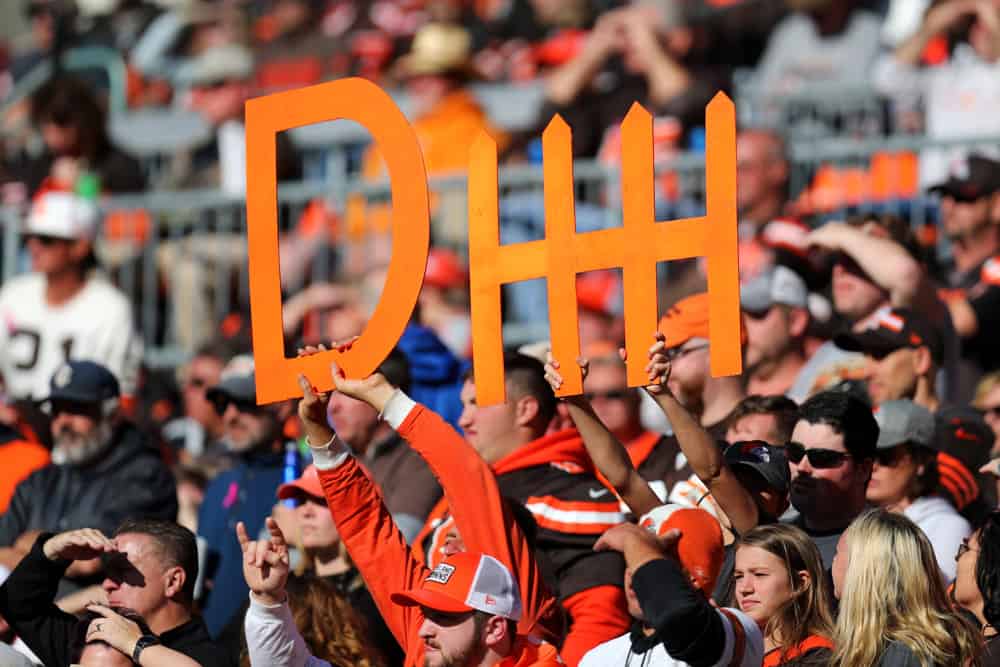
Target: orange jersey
20	459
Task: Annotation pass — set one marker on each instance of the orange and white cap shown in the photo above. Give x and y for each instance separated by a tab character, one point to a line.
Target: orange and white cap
62	215
465	582
700	547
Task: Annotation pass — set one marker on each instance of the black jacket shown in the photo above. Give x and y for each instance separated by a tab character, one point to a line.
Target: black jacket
129	481
27	602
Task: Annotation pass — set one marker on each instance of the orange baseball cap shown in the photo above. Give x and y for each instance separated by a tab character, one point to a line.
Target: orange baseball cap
308	483
686	319
465	582
700	547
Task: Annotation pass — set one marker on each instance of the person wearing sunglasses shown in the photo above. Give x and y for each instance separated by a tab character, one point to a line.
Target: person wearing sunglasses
905	476
254	435
831	454
987	402
63	309
709	399
903	352
196	434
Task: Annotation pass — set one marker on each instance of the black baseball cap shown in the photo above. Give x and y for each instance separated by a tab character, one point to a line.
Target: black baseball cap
977	177
963	441
894	330
83	382
765	459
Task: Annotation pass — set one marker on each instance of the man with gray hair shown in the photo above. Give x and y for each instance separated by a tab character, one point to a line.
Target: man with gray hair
103	470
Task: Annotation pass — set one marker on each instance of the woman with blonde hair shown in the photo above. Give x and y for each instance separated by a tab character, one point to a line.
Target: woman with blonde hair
894	611
780	583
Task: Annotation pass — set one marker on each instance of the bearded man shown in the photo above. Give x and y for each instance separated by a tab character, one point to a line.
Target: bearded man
103	471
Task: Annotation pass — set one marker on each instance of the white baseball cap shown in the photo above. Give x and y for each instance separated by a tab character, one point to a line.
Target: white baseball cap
465	582
62	215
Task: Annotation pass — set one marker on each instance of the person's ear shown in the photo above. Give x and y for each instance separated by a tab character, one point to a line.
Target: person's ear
174	578
995	210
798	321
526	410
804	581
496	631
922	361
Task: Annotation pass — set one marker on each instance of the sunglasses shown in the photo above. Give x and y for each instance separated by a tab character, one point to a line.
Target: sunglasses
222	403
889	457
821	459
58	407
197	383
964	548
44	239
757	314
612	395
675	353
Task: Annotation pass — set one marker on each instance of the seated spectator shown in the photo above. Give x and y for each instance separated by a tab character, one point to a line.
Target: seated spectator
72	125
781	584
770	419
762	172
103	470
657	457
970	215
831	455
775	306
668	584
977	588
903	352
152	567
639	53
905	479
822	45
708	399
197	433
377	547
891	611
408	487
968	74
254	435
326	559
64	308
987	402
320	621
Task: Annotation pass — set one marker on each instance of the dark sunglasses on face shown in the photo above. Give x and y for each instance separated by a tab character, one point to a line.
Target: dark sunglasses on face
612	395
757	314
197	383
44	239
675	353
818	458
889	457
56	408
222	403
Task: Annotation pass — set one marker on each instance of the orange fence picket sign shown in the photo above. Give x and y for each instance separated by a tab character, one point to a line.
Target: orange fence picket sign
365	103
636	247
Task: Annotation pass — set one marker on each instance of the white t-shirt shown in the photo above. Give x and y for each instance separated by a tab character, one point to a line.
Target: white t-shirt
35	338
619	650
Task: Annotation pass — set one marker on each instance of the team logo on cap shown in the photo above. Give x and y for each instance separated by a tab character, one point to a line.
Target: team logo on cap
441	574
63	376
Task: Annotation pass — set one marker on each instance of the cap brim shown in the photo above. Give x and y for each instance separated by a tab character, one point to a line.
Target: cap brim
769	475
297	488
419	597
961	190
866	342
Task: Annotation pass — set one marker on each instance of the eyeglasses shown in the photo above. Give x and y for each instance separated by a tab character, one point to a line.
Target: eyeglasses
196	382
675	353
964	548
611	395
819	458
222	402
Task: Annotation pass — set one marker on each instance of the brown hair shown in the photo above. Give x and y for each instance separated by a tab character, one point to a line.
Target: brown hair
807	612
331	628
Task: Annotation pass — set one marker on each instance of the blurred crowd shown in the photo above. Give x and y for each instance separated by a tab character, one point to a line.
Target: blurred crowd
836	504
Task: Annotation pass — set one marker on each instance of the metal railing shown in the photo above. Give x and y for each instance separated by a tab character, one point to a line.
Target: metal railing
140	229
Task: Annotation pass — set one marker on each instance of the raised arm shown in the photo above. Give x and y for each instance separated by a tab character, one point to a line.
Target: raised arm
608	454
702	452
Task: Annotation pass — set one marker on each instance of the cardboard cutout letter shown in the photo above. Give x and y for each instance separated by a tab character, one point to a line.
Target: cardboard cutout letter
365	103
636	247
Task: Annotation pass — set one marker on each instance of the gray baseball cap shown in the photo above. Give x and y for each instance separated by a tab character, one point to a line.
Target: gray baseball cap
778	284
901	422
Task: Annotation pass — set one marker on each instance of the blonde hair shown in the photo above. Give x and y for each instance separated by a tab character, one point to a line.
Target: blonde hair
987	384
891	594
807	612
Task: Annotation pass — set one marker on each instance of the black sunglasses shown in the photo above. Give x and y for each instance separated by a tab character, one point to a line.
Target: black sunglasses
818	458
44	239
612	395
221	403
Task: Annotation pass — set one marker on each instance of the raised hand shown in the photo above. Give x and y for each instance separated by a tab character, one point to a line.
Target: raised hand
265	563
113	628
80	544
658	368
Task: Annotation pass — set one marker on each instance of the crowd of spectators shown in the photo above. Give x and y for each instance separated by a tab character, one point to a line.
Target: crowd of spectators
835	504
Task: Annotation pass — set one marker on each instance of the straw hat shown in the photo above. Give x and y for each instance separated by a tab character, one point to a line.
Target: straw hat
438	48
